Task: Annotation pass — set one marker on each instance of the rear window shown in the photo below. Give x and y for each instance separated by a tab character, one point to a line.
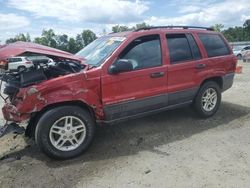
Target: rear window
247	48
214	45
13	60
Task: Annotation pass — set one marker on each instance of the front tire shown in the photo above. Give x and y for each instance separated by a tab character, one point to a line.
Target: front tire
65	132
208	99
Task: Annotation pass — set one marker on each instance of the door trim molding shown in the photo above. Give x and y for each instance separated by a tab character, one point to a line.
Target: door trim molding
137	107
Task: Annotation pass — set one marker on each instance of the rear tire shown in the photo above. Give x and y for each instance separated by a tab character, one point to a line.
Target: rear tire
57	132
208	99
21	68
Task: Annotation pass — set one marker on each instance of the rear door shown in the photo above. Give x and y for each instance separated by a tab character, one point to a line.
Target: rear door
141	90
184	62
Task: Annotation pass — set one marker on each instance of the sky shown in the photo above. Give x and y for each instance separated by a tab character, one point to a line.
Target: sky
72	16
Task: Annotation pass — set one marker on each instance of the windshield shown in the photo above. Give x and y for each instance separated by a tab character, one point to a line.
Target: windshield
96	52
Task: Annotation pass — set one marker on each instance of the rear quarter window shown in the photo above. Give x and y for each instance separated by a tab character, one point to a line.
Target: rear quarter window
214	45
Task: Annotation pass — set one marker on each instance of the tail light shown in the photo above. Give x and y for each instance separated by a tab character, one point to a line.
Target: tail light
3	64
28	62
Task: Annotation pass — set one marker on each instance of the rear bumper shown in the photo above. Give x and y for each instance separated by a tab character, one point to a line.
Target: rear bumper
227	81
11	113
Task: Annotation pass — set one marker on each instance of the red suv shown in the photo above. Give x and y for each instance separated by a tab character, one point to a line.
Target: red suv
117	77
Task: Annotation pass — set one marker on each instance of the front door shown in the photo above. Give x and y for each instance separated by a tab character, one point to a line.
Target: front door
140	90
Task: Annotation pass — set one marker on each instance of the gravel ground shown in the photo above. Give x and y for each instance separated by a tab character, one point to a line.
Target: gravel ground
170	149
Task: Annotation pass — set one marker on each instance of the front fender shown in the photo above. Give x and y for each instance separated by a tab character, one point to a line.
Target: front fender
70	89
40	100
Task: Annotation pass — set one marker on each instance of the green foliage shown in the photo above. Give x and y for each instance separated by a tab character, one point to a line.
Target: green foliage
218	27
19	37
141	25
122	28
88	36
63	42
73	45
236	34
48	38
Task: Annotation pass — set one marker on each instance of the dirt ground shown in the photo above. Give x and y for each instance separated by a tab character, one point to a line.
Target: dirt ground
170	149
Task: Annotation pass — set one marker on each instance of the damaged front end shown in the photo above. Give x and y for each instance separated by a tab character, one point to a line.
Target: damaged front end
22	97
23	91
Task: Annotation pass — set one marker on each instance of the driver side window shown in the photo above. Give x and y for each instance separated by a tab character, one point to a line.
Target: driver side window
143	52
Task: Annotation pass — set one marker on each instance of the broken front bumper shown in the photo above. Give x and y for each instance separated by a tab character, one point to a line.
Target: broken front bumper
11	113
9	128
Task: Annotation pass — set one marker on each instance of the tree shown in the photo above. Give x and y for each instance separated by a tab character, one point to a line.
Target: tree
88	36
19	37
79	41
218	27
62	42
141	25
246	23
235	34
83	39
120	28
72	46
48	38
247	29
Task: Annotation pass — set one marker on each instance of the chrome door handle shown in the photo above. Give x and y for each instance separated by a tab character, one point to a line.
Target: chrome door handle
201	66
157	74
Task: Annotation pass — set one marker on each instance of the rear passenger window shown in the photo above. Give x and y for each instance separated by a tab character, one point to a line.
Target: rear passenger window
214	45
182	47
247	48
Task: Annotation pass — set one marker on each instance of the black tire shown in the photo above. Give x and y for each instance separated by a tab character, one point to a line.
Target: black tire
239	57
198	104
50	117
21	68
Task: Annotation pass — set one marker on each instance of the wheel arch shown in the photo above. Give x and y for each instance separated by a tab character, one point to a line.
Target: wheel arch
216	79
30	130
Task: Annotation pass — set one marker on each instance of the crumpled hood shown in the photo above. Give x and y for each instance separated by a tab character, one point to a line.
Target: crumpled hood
19	48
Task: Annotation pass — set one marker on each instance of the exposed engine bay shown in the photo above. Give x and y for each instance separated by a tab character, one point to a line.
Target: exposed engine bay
41	70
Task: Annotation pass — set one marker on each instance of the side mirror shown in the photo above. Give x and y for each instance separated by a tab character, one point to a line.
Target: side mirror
122	65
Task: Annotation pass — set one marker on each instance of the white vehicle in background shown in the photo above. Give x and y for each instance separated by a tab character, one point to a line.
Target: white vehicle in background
237	52
245	50
246	56
41	59
19	63
240	51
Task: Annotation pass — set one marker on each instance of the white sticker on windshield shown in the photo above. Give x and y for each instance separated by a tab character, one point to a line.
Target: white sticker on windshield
118	38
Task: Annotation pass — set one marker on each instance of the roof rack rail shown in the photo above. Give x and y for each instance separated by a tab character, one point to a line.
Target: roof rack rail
174	26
